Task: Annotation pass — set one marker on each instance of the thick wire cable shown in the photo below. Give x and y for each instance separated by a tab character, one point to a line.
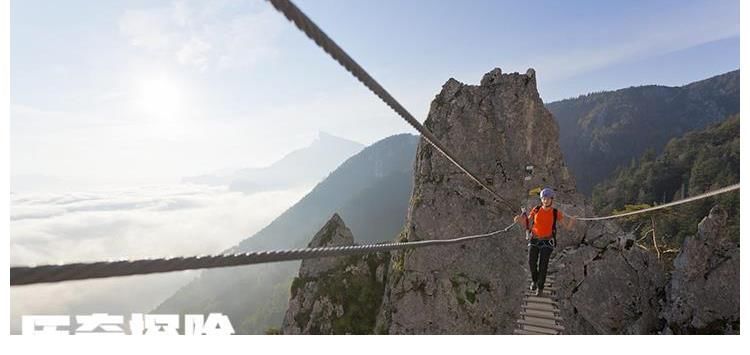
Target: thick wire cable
306	25
671	204
26	275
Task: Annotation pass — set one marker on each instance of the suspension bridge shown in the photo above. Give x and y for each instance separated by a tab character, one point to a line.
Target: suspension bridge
539	314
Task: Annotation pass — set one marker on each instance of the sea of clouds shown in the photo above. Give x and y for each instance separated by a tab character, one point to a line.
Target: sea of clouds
127	223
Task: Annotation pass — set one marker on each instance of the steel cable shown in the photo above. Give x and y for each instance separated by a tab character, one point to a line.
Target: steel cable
306	25
26	275
671	204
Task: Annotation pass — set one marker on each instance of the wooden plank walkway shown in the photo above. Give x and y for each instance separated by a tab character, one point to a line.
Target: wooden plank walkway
540	315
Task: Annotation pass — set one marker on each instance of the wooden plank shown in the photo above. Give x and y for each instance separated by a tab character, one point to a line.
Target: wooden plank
541	307
545	292
546	285
526	332
545	331
538	324
541	321
548	280
537	298
544	295
541	314
534	299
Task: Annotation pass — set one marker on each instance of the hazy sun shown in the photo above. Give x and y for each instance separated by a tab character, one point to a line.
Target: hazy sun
160	98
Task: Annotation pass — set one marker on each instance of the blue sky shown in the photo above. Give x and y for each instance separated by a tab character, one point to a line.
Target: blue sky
147	91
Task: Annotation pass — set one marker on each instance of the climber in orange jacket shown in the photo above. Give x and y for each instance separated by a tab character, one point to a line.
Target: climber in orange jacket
542	223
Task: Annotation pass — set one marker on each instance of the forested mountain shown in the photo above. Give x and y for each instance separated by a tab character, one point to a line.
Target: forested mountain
699	161
604	130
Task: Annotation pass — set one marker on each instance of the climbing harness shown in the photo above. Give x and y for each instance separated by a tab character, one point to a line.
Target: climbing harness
530	223
542	243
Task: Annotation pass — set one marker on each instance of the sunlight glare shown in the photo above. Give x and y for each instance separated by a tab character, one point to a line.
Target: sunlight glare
160	98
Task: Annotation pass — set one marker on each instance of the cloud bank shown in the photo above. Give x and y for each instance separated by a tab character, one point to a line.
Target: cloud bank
143	222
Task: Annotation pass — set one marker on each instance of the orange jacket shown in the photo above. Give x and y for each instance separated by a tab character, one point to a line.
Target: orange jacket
542	227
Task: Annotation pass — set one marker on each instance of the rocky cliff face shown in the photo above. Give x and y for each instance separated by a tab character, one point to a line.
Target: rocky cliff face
498	129
336	295
608	285
703	295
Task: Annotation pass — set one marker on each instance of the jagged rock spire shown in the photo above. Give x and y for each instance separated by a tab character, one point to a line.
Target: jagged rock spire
497	129
336	295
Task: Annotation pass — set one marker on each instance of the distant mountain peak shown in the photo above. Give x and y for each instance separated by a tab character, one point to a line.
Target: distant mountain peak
325	137
306	165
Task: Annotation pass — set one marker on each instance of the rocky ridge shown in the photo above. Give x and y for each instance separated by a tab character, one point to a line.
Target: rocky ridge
607	285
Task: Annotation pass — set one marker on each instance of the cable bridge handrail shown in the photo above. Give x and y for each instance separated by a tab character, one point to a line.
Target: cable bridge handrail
26	275
671	204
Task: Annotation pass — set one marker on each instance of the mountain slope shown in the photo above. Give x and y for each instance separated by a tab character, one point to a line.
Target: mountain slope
307	165
697	162
371	189
601	131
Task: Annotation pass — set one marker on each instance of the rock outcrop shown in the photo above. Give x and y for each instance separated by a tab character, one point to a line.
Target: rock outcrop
501	131
607	285
610	286
704	292
336	295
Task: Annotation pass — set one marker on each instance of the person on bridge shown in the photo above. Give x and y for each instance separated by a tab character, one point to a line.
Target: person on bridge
541	222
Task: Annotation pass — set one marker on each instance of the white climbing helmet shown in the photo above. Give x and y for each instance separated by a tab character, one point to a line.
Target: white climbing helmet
547	192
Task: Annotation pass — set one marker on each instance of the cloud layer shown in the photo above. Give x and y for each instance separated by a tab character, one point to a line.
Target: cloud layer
144	222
